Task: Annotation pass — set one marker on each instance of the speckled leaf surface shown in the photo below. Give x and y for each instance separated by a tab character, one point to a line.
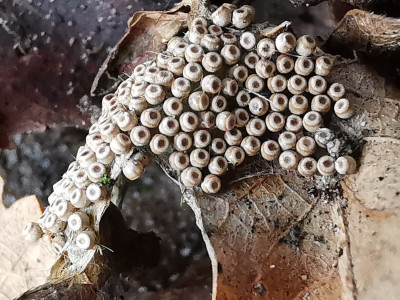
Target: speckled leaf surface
22	265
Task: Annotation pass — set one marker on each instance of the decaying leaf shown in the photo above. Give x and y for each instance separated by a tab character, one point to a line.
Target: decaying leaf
23	265
368	32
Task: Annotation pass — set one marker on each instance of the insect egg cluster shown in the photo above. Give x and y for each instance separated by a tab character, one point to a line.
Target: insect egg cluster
220	92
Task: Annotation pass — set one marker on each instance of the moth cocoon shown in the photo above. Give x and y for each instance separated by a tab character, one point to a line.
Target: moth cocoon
182	141
345	165
179	161
312	121
297	84
316	85
198	101
212	62
265	68
304	66
298	104
230	87
164	78
223	15
140	136
239	73
95	193
228	39
78	198
270	150
174	42
138	104
323	136
306	45
194	53
275	121
251	59
159	144
235	155
199	158
218	104
180	87
279	102
132	169
251	145
288	160
321	104
211	184
211	84
326	165
202	138
206	119
256	127
243	98
307	166
258	106
188	121
196	33
150	118
211	42
343	108
86	157
233	137
323	65
193	72
231	54
144	158
218	165
254	83
285	42
242	17
336	91
120	144
191	176
248	40
284	64
63	209
78	221
225	121
215	30
218	146
169	126
277	83
173	107
126	121
287	140
32	232
266	48
85	240
294	123
306	146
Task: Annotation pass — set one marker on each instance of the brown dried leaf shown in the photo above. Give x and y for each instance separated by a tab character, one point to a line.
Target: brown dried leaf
23	264
365	30
250	226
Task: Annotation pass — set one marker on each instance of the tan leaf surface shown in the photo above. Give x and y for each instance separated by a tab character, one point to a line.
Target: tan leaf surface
23	264
366	30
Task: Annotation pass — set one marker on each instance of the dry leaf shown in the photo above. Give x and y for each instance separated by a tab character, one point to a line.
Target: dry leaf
23	264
